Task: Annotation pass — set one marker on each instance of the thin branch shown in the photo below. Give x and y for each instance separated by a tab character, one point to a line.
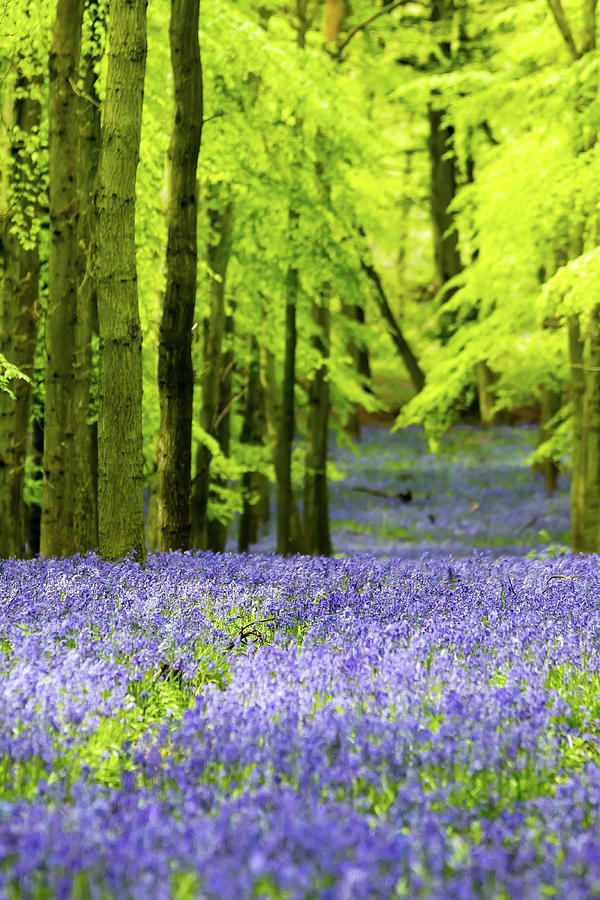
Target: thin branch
367	22
417	375
83	94
556	8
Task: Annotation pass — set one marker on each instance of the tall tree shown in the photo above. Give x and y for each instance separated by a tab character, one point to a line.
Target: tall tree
60	433
20	116
220	219
585	368
85	514
316	501
175	373
287	540
443	167
255	484
120	452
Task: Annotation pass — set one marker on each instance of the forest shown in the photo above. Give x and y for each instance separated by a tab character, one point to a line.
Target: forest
299	450
222	251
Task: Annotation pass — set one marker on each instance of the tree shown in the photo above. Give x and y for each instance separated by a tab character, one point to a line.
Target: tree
58	526
316	502
120	457
175	373
19	289
220	214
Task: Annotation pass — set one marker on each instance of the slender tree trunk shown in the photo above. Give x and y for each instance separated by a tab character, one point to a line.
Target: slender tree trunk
410	361
85	518
120	452
175	372
287	541
443	177
219	250
216	530
591	437
335	15
316	502
255	484
484	378
268	382
19	287
33	513
549	406
579	455
60	437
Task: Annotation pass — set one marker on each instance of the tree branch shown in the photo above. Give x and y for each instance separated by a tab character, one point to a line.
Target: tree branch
367	22
556	8
410	361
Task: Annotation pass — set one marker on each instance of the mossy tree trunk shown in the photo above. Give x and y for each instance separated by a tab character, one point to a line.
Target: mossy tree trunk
175	372
220	215
20	116
90	121
120	455
576	358
61	474
316	501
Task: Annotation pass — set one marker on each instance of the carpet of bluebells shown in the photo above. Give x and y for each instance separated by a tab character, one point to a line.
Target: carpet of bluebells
396	498
227	727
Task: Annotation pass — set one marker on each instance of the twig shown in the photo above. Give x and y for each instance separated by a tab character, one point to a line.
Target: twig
556	8
367	22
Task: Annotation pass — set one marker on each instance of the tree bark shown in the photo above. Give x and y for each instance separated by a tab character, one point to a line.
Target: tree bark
216	529
218	253
578	444
175	372
254	484
287	541
360	354
120	454
19	293
549	406
335	15
410	361
316	501
60	437
86	461
484	378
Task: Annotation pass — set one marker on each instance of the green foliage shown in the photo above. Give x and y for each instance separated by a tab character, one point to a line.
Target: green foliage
8	372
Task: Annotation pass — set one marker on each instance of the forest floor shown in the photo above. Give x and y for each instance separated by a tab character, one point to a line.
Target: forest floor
395	498
249	727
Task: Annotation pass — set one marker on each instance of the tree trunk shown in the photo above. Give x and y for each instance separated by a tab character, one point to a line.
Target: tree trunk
287	540
219	250
255	485
268	382
335	15
216	530
578	444
591	437
316	502
120	454
443	177
549	406
484	378
175	372
360	354
33	512
19	292
86	462
60	437
410	361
